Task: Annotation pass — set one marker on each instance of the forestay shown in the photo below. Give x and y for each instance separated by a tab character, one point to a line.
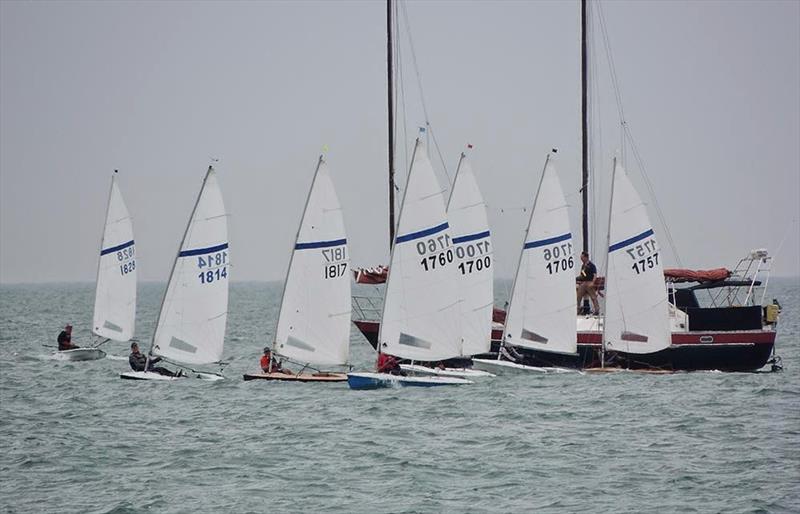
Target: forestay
314	319
541	312
466	213
637	315
191	325
115	291
420	311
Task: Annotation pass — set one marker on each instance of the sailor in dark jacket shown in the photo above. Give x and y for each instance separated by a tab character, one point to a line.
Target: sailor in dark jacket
138	361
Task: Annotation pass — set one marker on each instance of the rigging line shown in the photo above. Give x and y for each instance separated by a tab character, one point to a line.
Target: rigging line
612	67
649	185
402	98
422	92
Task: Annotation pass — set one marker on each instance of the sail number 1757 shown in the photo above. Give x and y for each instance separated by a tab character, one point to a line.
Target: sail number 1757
644	255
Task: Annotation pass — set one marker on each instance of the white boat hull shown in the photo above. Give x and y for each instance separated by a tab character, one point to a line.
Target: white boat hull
150	375
508	366
447	372
80	354
382	380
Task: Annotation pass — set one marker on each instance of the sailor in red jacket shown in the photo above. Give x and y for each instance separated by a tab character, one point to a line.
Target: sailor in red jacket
276	365
388	364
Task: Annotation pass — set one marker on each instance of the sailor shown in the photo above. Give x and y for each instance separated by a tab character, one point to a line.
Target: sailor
65	339
388	364
585	284
508	353
138	360
276	367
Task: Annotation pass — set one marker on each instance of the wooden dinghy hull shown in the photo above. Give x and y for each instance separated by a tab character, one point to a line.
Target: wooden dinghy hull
301	377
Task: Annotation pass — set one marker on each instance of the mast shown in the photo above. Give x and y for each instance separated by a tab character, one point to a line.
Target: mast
391	119
584	131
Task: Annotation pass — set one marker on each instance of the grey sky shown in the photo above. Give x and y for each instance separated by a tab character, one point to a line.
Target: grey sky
711	91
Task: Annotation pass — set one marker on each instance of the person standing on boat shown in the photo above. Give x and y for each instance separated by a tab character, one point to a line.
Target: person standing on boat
586	285
65	339
273	367
138	361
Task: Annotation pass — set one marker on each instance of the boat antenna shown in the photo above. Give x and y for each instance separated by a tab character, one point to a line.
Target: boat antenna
391	119
584	132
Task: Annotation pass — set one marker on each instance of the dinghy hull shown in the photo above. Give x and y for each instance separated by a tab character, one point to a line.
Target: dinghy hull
302	377
150	375
80	354
384	380
446	372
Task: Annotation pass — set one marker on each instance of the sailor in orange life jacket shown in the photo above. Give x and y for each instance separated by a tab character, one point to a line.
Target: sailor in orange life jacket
388	364
276	365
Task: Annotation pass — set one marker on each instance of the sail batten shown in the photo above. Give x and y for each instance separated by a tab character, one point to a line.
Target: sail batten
541	312
115	290
314	319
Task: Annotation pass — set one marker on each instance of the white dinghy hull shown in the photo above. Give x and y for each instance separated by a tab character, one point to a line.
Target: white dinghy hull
382	380
447	372
508	366
150	375
79	354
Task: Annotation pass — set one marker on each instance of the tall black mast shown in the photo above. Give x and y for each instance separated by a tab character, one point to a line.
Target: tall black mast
584	130
391	119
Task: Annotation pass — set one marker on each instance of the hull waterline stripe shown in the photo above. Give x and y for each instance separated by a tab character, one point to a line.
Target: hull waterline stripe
470	237
320	244
116	248
422	233
203	251
549	241
623	244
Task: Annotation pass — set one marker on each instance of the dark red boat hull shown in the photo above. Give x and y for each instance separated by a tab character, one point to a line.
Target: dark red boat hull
746	350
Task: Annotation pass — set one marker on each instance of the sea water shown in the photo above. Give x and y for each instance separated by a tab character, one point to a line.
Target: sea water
74	437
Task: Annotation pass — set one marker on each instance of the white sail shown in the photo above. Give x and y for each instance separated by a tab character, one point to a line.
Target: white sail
541	312
115	291
636	310
314	319
466	213
191	324
420	312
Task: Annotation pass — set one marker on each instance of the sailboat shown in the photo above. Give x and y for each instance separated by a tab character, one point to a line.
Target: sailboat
472	244
191	322
636	317
314	320
541	311
421	316
115	288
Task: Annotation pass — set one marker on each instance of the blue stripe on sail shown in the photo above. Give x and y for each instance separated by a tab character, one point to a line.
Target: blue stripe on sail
203	251
320	244
422	233
549	241
471	237
117	248
623	244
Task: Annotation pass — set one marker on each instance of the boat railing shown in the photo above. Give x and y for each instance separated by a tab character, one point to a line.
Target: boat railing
750	273
367	307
